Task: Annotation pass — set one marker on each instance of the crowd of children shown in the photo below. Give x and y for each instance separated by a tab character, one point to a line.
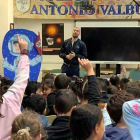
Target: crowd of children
87	108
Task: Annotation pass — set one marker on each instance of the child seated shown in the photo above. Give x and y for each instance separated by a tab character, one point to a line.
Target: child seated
115	81
112	90
134	88
48	87
118	130
48	76
123	83
86	123
37	103
31	89
86	90
39	88
27	126
65	102
61	82
10	102
131	114
103	84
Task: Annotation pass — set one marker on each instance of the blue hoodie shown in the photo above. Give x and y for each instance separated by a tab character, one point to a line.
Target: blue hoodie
115	133
131	114
44	121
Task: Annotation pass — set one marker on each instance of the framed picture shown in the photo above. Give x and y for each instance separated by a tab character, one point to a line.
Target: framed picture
11	26
52	38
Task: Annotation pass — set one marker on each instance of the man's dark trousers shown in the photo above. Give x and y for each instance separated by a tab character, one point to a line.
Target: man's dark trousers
70	70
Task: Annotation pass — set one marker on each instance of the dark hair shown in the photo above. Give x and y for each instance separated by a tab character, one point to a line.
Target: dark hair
6	81
48	76
4	86
134	88
31	88
123	83
103	84
37	103
138	83
65	99
133	84
84	119
80	88
112	89
115	103
30	122
49	83
135	91
61	81
39	85
1	101
115	80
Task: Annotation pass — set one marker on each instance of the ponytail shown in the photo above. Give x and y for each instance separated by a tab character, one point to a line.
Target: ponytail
21	137
77	87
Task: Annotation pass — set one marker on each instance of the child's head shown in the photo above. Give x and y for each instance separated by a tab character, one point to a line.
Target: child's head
115	103
112	90
48	76
135	91
115	80
134	88
61	81
80	88
123	83
133	84
5	83
39	88
37	103
87	122
31	88
26	126
48	87
103	84
65	102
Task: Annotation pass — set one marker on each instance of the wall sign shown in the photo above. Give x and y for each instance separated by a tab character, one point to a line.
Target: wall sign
70	9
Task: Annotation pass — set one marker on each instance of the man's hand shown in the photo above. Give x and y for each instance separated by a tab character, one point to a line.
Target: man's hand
72	55
85	64
22	43
68	57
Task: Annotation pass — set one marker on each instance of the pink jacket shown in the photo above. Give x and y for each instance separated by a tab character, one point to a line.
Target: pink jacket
12	99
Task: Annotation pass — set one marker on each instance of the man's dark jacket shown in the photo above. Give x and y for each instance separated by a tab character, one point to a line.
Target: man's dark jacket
79	48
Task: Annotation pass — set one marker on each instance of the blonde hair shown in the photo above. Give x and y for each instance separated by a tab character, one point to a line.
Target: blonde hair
26	126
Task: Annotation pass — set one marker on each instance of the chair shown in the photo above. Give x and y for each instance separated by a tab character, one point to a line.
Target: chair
51	118
134	75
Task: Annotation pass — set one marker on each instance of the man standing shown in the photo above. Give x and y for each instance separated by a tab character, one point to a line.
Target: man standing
71	50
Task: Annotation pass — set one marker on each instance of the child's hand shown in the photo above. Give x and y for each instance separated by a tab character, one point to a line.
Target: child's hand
22	43
85	64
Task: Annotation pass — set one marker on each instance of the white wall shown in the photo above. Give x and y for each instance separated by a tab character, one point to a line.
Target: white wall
49	61
6	17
